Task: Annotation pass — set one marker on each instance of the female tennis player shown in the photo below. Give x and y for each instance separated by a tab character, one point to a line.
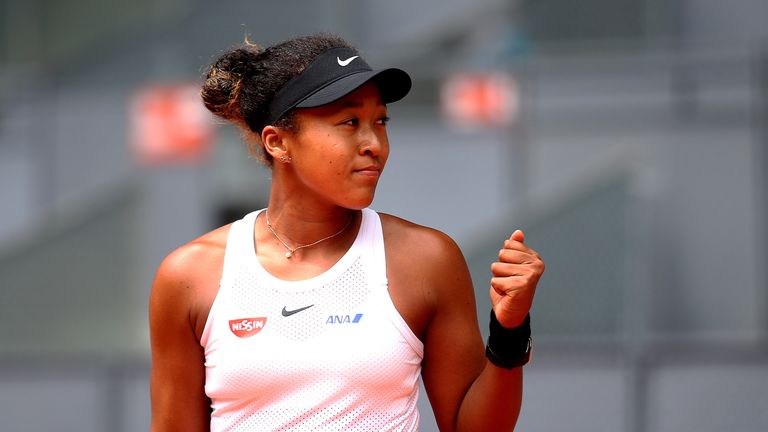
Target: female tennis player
317	313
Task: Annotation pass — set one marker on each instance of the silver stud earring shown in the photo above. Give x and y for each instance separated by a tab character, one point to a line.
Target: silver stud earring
285	158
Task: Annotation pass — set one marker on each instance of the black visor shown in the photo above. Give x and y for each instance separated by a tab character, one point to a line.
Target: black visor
333	75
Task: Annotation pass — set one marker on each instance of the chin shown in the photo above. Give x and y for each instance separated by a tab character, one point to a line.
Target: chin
358	204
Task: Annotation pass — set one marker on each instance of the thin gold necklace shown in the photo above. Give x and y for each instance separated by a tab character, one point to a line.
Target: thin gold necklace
291	250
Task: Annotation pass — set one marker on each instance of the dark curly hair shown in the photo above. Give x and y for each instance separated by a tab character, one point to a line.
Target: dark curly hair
241	83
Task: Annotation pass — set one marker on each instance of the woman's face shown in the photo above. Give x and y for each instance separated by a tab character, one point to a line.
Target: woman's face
341	148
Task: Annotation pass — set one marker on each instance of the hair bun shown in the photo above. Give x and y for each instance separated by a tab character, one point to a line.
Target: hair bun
223	83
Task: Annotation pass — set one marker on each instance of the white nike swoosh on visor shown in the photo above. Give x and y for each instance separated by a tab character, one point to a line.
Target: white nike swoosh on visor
343	63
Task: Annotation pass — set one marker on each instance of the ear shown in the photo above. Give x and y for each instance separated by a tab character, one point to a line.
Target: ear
274	140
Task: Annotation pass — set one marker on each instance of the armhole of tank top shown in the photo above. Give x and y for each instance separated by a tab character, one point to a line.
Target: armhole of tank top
238	233
379	280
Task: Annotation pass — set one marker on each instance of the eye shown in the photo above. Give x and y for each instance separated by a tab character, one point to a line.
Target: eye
351	122
383	121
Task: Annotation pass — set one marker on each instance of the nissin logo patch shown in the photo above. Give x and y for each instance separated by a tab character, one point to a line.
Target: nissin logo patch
344	319
247	327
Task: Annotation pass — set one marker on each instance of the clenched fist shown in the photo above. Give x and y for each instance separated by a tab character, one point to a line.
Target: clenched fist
515	276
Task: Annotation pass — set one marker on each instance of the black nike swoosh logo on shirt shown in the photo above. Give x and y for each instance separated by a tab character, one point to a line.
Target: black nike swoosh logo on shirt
286	312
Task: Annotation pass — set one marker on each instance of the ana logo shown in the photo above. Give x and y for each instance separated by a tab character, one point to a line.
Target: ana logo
247	327
343	63
344	319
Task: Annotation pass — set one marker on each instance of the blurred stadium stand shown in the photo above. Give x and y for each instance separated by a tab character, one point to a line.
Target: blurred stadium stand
637	168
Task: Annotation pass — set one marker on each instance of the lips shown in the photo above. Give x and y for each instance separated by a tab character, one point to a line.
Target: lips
371	171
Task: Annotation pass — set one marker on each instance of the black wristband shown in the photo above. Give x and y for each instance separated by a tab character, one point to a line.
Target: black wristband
509	348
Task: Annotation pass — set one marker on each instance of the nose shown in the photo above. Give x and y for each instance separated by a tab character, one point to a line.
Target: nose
371	142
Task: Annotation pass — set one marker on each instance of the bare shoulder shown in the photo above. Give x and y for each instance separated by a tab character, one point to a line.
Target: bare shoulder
425	270
186	281
426	245
193	261
188	262
425	260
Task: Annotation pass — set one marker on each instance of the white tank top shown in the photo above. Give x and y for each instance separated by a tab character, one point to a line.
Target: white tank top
330	353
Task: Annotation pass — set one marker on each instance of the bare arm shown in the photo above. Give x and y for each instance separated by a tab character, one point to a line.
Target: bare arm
467	392
177	379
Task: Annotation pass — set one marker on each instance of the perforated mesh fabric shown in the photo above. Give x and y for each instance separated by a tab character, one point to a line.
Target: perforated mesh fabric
345	360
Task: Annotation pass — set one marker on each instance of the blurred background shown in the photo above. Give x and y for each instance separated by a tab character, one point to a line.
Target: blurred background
628	138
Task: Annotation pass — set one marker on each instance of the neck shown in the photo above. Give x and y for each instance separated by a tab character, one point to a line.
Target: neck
301	224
